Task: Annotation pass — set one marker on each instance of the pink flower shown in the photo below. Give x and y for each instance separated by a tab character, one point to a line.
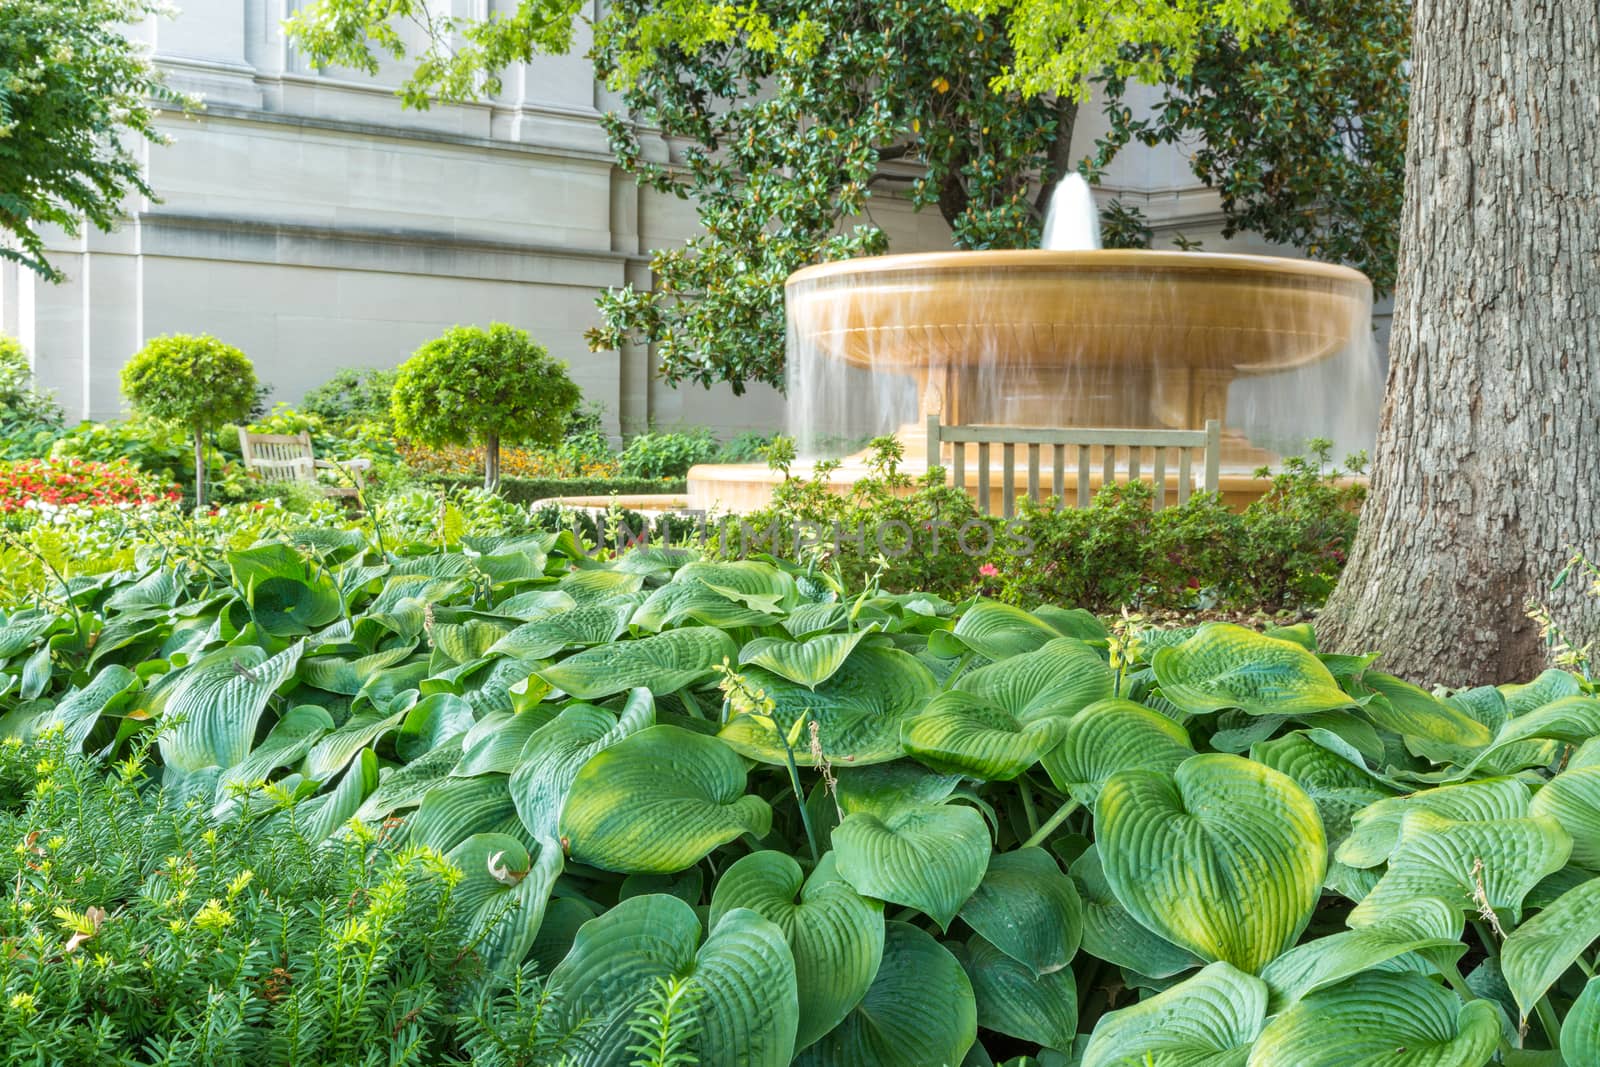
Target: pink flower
989	570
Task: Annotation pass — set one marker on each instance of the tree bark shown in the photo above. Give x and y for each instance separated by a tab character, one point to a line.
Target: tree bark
491	462
1486	474
199	467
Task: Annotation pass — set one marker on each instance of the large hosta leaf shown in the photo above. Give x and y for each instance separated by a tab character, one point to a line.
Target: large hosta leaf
347	675
836	935
1222	856
658	801
76	714
665	663
1580	1030
502	894
288	594
920	1011
1539	951
1572	798
457	808
1420	717
1228	666
1375	830
809	662
1014	1001
927	856
1059	678
1467	864
558	750
1110	736
218	702
961	734
858	710
1207	1021
997	631
748	1007
1027	908
1423	923
577	627
1111	934
1380	1019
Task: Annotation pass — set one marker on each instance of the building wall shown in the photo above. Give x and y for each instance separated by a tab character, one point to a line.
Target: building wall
309	219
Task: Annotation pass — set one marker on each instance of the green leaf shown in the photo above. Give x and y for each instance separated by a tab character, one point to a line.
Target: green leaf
1572	798
1111	934
665	663
502	895
466	642
659	801
495	742
858	710
919	1012
1375	830
1570	719
960	734
431	722
1207	1021
748	1004
1015	1001
1466	863
836	935
291	738
1417	715
1027	908
220	700
1380	1019
1580	1030
1541	950
1228	666
577	627
77	712
1110	736
996	631
339	747
288	595
457	808
1222	856
809	662
1410	926
1060	678
927	856
558	750
1550	686
346	676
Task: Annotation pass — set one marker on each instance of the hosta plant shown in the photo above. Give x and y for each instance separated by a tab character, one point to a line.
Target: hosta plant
817	823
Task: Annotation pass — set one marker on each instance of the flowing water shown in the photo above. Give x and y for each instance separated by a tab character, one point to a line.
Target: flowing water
1094	338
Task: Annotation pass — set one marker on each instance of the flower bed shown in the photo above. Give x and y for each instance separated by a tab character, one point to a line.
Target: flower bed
58	483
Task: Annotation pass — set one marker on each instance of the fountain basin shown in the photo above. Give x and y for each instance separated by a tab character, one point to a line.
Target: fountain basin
1102	338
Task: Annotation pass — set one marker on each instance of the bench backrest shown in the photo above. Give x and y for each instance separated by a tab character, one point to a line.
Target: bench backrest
1091	449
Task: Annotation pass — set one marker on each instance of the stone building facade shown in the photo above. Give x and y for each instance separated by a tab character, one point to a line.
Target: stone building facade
309	219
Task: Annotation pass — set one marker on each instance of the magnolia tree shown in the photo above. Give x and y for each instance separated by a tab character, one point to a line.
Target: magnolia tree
472	386
194	380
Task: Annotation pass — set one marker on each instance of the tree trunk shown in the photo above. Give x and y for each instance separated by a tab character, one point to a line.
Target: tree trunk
199	467
491	462
1487	469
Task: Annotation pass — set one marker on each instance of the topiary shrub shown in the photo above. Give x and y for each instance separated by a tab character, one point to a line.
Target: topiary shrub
29	419
475	386
195	381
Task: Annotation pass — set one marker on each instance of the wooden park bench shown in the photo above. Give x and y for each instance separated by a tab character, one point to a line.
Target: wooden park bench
1096	449
278	457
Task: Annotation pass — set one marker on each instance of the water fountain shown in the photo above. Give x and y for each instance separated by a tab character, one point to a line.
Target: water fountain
1279	350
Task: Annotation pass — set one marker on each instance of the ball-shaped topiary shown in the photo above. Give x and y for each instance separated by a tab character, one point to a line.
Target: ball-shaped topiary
194	380
475	386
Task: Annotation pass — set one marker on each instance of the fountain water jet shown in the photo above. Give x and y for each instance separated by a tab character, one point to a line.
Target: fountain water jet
1280	350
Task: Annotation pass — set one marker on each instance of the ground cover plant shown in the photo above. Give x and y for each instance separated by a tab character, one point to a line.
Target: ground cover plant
769	815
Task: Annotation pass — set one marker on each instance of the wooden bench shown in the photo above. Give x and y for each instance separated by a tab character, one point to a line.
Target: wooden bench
277	457
1104	445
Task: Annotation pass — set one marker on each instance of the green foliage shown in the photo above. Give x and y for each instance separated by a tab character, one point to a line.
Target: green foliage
352	396
668	455
195	381
474	386
674	772
1061	44
1301	129
528	490
78	94
29	420
146	930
